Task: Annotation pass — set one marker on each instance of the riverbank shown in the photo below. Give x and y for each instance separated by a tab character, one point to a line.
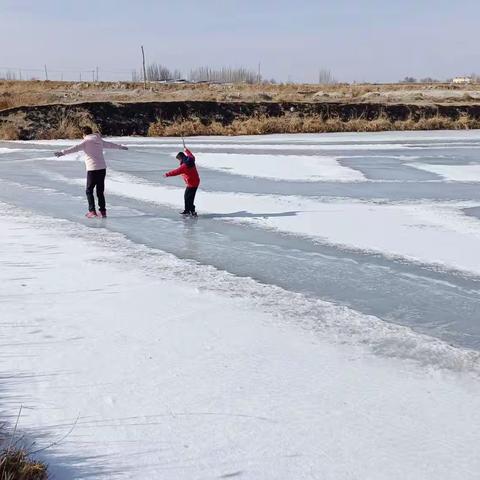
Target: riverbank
191	118
46	110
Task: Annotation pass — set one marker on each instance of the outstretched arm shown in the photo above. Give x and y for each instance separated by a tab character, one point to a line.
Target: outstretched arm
112	145
66	151
188	153
177	171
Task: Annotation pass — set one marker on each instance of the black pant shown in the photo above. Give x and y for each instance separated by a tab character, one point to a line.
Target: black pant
96	178
190	198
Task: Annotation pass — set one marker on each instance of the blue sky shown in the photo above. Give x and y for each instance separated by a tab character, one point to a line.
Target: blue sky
369	40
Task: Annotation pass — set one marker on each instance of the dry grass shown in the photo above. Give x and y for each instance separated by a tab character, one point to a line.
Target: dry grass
16	93
9	131
263	125
63	125
16	465
15	462
69	125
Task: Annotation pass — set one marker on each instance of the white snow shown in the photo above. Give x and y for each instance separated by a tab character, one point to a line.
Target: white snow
314	147
177	371
53	143
281	146
5	150
281	167
454	173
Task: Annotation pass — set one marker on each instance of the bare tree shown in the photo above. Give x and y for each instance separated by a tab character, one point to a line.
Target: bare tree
136	77
8	75
429	80
224	75
158	72
177	75
325	77
475	77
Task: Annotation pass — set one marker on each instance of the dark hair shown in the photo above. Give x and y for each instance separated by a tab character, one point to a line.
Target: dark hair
87	130
185	160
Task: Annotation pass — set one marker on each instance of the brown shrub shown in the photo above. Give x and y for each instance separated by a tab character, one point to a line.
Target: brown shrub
465	122
437	122
5	103
156	129
262	125
409	124
68	125
16	465
9	131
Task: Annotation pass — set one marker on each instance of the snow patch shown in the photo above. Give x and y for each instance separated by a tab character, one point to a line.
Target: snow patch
281	167
453	173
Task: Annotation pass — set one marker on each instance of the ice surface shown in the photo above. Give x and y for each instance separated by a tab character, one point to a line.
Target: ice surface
298	329
142	354
423	233
381	246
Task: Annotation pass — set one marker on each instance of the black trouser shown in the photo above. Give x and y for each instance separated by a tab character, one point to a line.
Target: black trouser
190	198
96	178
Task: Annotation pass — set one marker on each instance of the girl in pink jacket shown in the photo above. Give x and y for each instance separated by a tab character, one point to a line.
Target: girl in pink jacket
93	145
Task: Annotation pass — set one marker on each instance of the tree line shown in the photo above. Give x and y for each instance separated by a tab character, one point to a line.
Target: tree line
156	72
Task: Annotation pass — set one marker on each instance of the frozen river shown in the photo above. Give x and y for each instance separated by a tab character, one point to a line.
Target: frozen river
386	224
320	319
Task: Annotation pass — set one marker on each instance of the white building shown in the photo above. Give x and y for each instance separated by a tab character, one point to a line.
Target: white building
462	80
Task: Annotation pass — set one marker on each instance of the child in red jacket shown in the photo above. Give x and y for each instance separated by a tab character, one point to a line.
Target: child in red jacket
188	171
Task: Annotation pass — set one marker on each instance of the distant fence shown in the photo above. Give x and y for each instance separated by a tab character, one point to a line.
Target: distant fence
88	75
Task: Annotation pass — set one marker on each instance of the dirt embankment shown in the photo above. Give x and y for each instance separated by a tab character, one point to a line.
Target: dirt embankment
21	93
36	109
228	118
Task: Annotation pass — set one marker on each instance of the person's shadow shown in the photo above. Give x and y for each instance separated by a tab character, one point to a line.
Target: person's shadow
245	214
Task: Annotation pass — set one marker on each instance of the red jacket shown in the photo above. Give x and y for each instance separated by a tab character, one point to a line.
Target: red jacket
187	170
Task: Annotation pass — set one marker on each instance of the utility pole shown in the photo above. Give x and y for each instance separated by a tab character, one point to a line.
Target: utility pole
259	77
46	72
144	70
97	73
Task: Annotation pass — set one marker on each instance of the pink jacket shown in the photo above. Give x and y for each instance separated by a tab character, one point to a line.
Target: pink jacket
93	146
